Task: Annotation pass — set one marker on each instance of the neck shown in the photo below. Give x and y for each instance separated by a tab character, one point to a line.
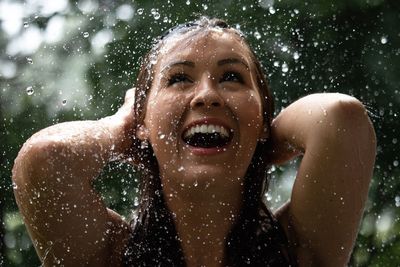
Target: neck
203	218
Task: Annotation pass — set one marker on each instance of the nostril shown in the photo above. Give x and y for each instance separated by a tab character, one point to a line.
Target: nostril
215	104
199	104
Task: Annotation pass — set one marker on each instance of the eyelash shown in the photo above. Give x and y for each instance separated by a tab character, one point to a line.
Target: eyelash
178	78
232	76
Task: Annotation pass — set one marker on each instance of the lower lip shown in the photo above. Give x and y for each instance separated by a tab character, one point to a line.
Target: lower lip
201	151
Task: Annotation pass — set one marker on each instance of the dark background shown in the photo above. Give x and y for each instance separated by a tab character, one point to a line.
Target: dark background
79	57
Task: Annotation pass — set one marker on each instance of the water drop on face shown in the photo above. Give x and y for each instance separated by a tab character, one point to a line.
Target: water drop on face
195	183
140	11
384	39
85	34
29	90
257	35
181	168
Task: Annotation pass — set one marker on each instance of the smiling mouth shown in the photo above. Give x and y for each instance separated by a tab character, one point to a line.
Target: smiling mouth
207	136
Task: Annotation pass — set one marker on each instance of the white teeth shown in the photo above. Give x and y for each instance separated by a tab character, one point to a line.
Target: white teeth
206	128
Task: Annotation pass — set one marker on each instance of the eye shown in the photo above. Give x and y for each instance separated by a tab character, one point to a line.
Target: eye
178	78
232	76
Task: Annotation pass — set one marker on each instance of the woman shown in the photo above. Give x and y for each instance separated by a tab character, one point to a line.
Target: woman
202	134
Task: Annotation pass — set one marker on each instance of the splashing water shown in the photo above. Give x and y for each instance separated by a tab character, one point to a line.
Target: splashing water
29	90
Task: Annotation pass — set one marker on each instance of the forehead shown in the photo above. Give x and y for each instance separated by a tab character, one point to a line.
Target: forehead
203	46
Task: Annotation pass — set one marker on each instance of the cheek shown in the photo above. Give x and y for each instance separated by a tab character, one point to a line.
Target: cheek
164	114
248	108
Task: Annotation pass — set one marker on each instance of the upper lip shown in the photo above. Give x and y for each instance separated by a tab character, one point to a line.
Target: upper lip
208	121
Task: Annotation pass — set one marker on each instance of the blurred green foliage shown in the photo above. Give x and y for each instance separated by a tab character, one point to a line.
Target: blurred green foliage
89	53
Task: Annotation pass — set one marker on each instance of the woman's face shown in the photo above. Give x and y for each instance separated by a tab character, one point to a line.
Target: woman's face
204	112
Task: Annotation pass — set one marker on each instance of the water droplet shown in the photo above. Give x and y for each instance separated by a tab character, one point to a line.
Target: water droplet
276	63
162	136
26	24
64	102
86	34
181	168
14	185
397	201
396	163
140	11
155	13
285	67
257	35
384	39
272	10
29	60
394	140
195	183
205	7
187	2
29	90
296	55
284	48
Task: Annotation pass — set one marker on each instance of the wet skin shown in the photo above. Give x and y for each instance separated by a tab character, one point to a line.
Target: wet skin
211	81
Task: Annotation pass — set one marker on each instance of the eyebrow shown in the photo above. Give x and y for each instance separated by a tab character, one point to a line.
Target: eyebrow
232	61
177	63
192	64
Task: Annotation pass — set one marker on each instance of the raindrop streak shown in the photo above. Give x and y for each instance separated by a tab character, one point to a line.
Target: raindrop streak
384	39
29	90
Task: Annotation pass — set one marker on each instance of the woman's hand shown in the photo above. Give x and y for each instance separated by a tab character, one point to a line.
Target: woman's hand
121	126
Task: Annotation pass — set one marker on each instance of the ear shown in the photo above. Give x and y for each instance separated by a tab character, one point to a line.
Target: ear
143	133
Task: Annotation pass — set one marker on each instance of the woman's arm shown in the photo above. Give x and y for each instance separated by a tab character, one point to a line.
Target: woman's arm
335	135
52	175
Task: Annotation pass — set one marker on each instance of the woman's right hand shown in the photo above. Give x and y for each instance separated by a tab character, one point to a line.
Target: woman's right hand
121	126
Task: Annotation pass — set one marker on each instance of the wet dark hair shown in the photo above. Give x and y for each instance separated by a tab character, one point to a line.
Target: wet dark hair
256	238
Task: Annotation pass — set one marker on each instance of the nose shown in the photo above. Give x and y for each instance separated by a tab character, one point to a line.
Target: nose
206	94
